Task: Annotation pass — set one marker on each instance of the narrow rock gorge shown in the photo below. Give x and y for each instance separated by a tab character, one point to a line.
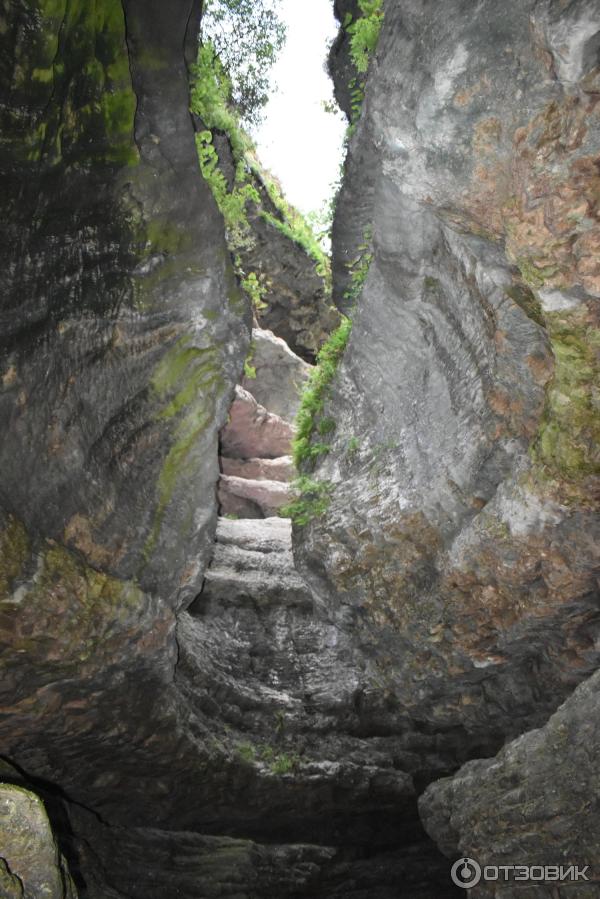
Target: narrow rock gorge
298	573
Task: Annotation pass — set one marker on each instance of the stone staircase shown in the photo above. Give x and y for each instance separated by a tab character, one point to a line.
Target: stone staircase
256	466
253	560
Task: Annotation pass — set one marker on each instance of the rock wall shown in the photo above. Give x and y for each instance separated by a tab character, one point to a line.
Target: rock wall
532	804
462	529
294	276
122	327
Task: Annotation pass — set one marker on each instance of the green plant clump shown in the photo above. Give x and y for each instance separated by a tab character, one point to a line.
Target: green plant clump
247	35
353	447
279	763
284	764
315	392
312	502
364	35
359	267
211	101
249	369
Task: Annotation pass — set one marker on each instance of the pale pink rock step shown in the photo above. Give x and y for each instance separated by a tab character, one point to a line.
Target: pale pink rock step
232	506
238	496
252	432
281	469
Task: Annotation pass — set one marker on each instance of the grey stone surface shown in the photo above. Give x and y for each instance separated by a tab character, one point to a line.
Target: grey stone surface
533	804
253	559
280	374
462	525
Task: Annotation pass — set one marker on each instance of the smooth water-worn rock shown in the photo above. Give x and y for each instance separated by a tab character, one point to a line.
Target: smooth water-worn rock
122	328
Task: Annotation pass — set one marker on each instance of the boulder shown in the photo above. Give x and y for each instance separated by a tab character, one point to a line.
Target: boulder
280	374
530	805
30	862
267	496
253	432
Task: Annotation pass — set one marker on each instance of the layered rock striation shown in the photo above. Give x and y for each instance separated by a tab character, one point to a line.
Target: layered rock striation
462	522
462	527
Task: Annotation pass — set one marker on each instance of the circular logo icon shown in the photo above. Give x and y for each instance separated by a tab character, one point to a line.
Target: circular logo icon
466	873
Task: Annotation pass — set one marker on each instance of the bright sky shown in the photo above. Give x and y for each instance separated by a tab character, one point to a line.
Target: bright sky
298	141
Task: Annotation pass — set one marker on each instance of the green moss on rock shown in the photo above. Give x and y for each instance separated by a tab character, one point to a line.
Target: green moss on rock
534	276
62	570
186	384
67	610
78	57
14	552
568	442
166	237
313	500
